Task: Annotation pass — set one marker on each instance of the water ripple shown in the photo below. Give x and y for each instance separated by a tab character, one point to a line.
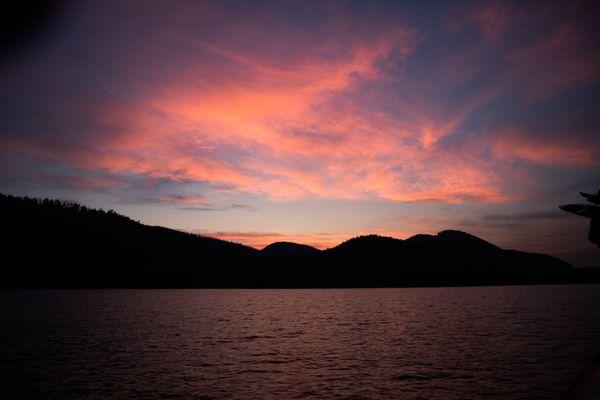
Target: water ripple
449	343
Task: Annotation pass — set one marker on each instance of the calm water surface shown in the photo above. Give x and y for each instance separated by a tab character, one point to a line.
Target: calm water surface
429	343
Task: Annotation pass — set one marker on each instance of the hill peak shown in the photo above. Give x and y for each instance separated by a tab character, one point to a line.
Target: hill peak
463	237
289	249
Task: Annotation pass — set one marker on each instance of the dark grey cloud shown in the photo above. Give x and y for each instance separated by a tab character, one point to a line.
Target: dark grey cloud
215	207
539	215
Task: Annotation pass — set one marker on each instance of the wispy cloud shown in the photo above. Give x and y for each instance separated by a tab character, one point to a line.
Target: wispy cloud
212	207
290	126
541	215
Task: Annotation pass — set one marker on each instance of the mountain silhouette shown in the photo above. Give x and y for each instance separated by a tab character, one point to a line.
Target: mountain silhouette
49	243
290	252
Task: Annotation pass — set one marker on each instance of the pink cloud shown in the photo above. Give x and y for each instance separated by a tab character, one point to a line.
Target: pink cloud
563	151
300	121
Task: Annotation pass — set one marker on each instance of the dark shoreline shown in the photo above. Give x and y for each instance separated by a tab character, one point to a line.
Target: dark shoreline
498	284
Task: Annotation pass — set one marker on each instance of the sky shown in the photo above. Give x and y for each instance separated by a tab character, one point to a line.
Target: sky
311	122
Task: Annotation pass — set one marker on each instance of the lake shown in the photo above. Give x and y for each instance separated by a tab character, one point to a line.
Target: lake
506	342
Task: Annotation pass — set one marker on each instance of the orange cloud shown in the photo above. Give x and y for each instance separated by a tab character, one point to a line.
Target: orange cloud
304	143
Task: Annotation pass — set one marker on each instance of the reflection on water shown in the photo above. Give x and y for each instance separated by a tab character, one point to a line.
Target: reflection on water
444	343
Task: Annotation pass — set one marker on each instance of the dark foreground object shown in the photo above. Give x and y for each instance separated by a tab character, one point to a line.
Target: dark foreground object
591	211
54	244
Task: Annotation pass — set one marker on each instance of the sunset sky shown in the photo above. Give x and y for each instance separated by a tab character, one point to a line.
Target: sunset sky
313	121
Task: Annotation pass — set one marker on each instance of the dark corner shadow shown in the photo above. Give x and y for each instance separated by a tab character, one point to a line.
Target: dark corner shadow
59	244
